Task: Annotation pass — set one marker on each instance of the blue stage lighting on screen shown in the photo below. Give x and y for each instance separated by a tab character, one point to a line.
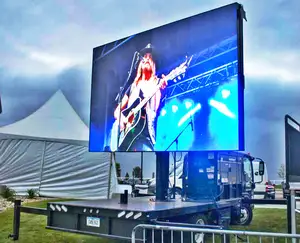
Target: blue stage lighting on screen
225	93
163	112
189	114
221	107
188	104
174	108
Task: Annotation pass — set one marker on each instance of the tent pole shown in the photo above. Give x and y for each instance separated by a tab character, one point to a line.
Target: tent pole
109	175
42	166
142	166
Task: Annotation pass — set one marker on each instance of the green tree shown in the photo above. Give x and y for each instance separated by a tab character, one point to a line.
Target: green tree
137	172
118	169
281	172
127	176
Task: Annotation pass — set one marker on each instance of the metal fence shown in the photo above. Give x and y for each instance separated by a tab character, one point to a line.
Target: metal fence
177	234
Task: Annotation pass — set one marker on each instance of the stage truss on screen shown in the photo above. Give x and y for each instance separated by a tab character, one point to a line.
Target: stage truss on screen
213	77
108	48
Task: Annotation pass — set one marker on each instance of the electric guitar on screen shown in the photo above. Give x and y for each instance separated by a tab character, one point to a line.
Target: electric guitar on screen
133	125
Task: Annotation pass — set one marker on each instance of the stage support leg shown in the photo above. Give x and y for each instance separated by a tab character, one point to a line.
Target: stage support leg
293	213
162	176
289	213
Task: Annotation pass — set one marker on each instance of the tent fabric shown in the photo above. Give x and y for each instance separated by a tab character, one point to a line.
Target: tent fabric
55	169
20	162
48	151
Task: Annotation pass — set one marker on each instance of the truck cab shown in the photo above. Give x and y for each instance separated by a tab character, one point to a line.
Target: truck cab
264	188
228	173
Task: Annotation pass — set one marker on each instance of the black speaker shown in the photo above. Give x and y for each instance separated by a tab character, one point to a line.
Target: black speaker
200	180
124	197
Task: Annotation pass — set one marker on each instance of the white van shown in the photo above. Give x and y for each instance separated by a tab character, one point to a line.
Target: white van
264	189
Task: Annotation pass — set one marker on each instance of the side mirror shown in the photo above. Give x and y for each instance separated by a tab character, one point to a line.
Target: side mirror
261	168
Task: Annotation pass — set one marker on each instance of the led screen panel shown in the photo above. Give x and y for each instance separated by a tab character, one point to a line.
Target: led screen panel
292	130
178	87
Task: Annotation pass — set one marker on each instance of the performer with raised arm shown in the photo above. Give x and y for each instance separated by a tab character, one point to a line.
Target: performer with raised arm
137	112
145	85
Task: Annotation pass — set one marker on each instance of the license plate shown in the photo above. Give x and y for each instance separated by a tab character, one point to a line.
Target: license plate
93	222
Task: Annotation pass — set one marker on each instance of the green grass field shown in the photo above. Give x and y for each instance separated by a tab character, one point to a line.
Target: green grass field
269	220
33	227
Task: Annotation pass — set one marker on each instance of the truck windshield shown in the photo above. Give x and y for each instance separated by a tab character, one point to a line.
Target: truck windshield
247	172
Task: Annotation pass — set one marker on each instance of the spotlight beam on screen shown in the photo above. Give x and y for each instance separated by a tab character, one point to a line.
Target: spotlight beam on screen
189	114
221	108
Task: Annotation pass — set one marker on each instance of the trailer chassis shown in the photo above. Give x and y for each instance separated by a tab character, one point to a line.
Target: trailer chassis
117	222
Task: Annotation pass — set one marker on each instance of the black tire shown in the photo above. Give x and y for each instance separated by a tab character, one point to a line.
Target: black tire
246	215
135	193
178	192
202	220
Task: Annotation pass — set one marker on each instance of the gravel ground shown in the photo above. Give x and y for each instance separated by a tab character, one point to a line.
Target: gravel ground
4	204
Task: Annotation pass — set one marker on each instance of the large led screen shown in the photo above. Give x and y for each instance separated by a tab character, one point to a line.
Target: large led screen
178	87
292	130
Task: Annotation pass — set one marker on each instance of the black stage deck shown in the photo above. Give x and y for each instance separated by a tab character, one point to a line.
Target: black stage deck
153	209
118	220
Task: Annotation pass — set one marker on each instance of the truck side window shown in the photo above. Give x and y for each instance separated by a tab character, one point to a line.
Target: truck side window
247	172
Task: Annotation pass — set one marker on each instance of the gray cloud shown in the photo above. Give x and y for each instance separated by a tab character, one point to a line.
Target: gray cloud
266	104
68	30
271	100
273	23
77	89
21	96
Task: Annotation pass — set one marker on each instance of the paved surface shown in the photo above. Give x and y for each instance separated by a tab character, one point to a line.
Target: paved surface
275	206
278	195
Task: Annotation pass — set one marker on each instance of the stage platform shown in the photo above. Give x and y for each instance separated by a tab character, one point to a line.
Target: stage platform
143	206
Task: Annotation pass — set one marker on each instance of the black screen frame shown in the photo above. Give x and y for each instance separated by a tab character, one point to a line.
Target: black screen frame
0	105
291	175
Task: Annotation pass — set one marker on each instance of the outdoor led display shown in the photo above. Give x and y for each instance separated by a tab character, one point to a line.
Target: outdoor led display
292	146
178	87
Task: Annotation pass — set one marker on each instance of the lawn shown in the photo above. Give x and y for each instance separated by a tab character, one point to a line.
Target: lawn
269	220
33	227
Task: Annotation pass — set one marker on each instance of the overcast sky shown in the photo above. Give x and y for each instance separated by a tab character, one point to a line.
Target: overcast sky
41	40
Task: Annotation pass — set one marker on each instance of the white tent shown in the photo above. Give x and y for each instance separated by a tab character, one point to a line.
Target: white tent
56	119
48	151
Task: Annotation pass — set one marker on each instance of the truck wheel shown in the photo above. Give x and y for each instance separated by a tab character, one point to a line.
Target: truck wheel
135	193
178	192
202	220
246	215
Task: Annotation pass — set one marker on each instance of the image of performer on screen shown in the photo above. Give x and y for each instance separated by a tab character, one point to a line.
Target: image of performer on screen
139	106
